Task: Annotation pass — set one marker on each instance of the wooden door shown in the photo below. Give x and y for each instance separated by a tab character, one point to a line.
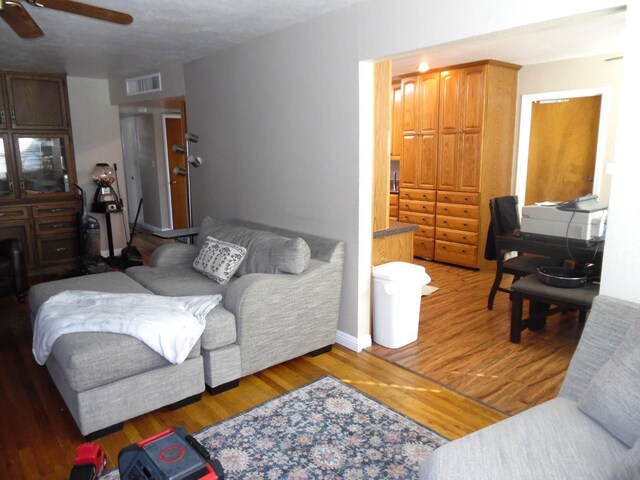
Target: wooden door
472	99
3	108
410	151
428	100
409	104
396	120
37	102
7	177
177	182
448	134
562	149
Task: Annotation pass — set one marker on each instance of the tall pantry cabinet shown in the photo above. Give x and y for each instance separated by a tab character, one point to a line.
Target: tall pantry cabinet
458	130
37	170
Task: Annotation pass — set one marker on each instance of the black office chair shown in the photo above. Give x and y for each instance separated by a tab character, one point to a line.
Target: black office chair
504	219
13	269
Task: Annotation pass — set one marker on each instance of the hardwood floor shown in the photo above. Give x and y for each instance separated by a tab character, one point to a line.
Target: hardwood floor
463	345
38	435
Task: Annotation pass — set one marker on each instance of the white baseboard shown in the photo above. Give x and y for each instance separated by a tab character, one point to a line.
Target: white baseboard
351	342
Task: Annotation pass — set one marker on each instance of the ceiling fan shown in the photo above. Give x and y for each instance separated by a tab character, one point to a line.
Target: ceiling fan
14	13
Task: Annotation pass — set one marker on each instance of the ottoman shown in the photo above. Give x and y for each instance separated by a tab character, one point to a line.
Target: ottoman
107	378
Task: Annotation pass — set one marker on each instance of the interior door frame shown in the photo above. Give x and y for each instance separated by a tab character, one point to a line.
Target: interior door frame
525	133
166	162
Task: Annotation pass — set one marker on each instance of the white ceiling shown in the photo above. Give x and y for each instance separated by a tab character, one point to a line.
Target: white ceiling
176	31
163	32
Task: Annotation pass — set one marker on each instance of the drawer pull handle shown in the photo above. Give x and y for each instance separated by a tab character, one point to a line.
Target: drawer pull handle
56	210
61	249
57	225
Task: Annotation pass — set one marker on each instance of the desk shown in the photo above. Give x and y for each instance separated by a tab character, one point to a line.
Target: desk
553	247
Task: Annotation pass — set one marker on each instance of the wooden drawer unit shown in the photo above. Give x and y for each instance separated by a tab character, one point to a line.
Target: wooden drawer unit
423	247
458	254
58	249
418	219
55	210
459	197
415	194
455	210
426	232
455	223
56	225
457	236
417	206
393	206
13	213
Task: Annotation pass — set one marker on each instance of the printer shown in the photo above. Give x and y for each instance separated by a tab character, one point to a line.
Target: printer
581	219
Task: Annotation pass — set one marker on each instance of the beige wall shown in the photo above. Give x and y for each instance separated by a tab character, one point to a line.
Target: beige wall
576	74
96	139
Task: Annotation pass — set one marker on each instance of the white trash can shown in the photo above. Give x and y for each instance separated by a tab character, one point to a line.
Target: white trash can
397	290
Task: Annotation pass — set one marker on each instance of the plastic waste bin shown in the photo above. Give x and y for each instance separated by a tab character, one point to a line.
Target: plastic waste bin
397	290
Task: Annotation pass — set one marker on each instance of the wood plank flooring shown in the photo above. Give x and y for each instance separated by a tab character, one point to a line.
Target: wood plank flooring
38	435
463	345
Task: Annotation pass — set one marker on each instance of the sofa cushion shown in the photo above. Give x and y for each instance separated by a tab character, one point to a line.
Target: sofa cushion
553	440
175	281
613	396
267	252
88	360
220	329
219	260
629	466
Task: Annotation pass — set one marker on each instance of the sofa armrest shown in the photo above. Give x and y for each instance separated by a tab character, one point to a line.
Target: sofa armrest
608	322
173	255
283	316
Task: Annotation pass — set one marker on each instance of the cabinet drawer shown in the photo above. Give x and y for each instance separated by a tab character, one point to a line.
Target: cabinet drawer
453	210
418	219
455	223
459	197
415	194
456	253
55	210
426	232
59	249
393	199
56	226
418	206
423	247
457	236
13	213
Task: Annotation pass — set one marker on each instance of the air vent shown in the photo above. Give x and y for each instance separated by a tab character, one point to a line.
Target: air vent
145	84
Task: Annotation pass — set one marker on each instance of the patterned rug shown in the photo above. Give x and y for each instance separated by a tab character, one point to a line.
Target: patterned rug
322	430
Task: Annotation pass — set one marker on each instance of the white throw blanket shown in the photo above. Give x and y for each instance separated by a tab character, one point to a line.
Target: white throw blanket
170	326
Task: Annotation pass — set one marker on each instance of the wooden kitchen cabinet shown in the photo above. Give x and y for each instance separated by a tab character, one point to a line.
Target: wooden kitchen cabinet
396	120
458	125
36	102
4	112
37	171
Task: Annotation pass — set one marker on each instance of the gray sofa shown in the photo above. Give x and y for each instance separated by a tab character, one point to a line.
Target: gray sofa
590	431
264	319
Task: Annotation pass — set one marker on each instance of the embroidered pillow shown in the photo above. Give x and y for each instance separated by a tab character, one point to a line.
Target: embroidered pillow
219	260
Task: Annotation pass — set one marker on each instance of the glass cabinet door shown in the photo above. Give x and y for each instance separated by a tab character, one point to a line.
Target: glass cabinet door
42	163
7	181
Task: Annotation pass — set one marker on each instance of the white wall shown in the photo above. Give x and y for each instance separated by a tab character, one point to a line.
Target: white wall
96	139
622	256
172	83
279	124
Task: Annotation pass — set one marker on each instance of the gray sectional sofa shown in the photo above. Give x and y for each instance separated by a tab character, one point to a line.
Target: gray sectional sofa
283	302
590	431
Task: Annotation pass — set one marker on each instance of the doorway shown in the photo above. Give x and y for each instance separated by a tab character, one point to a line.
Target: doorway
561	145
177	171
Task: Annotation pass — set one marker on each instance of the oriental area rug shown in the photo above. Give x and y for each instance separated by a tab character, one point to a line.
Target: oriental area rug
322	430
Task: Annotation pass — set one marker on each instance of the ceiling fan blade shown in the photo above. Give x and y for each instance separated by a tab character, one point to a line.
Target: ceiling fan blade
87	10
20	21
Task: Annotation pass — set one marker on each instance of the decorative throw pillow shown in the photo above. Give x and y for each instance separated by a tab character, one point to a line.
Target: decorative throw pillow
219	260
267	252
613	396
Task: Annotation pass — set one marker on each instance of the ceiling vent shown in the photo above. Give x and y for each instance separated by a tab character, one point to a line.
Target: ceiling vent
145	84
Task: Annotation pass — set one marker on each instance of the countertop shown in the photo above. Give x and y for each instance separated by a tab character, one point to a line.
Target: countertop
395	228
